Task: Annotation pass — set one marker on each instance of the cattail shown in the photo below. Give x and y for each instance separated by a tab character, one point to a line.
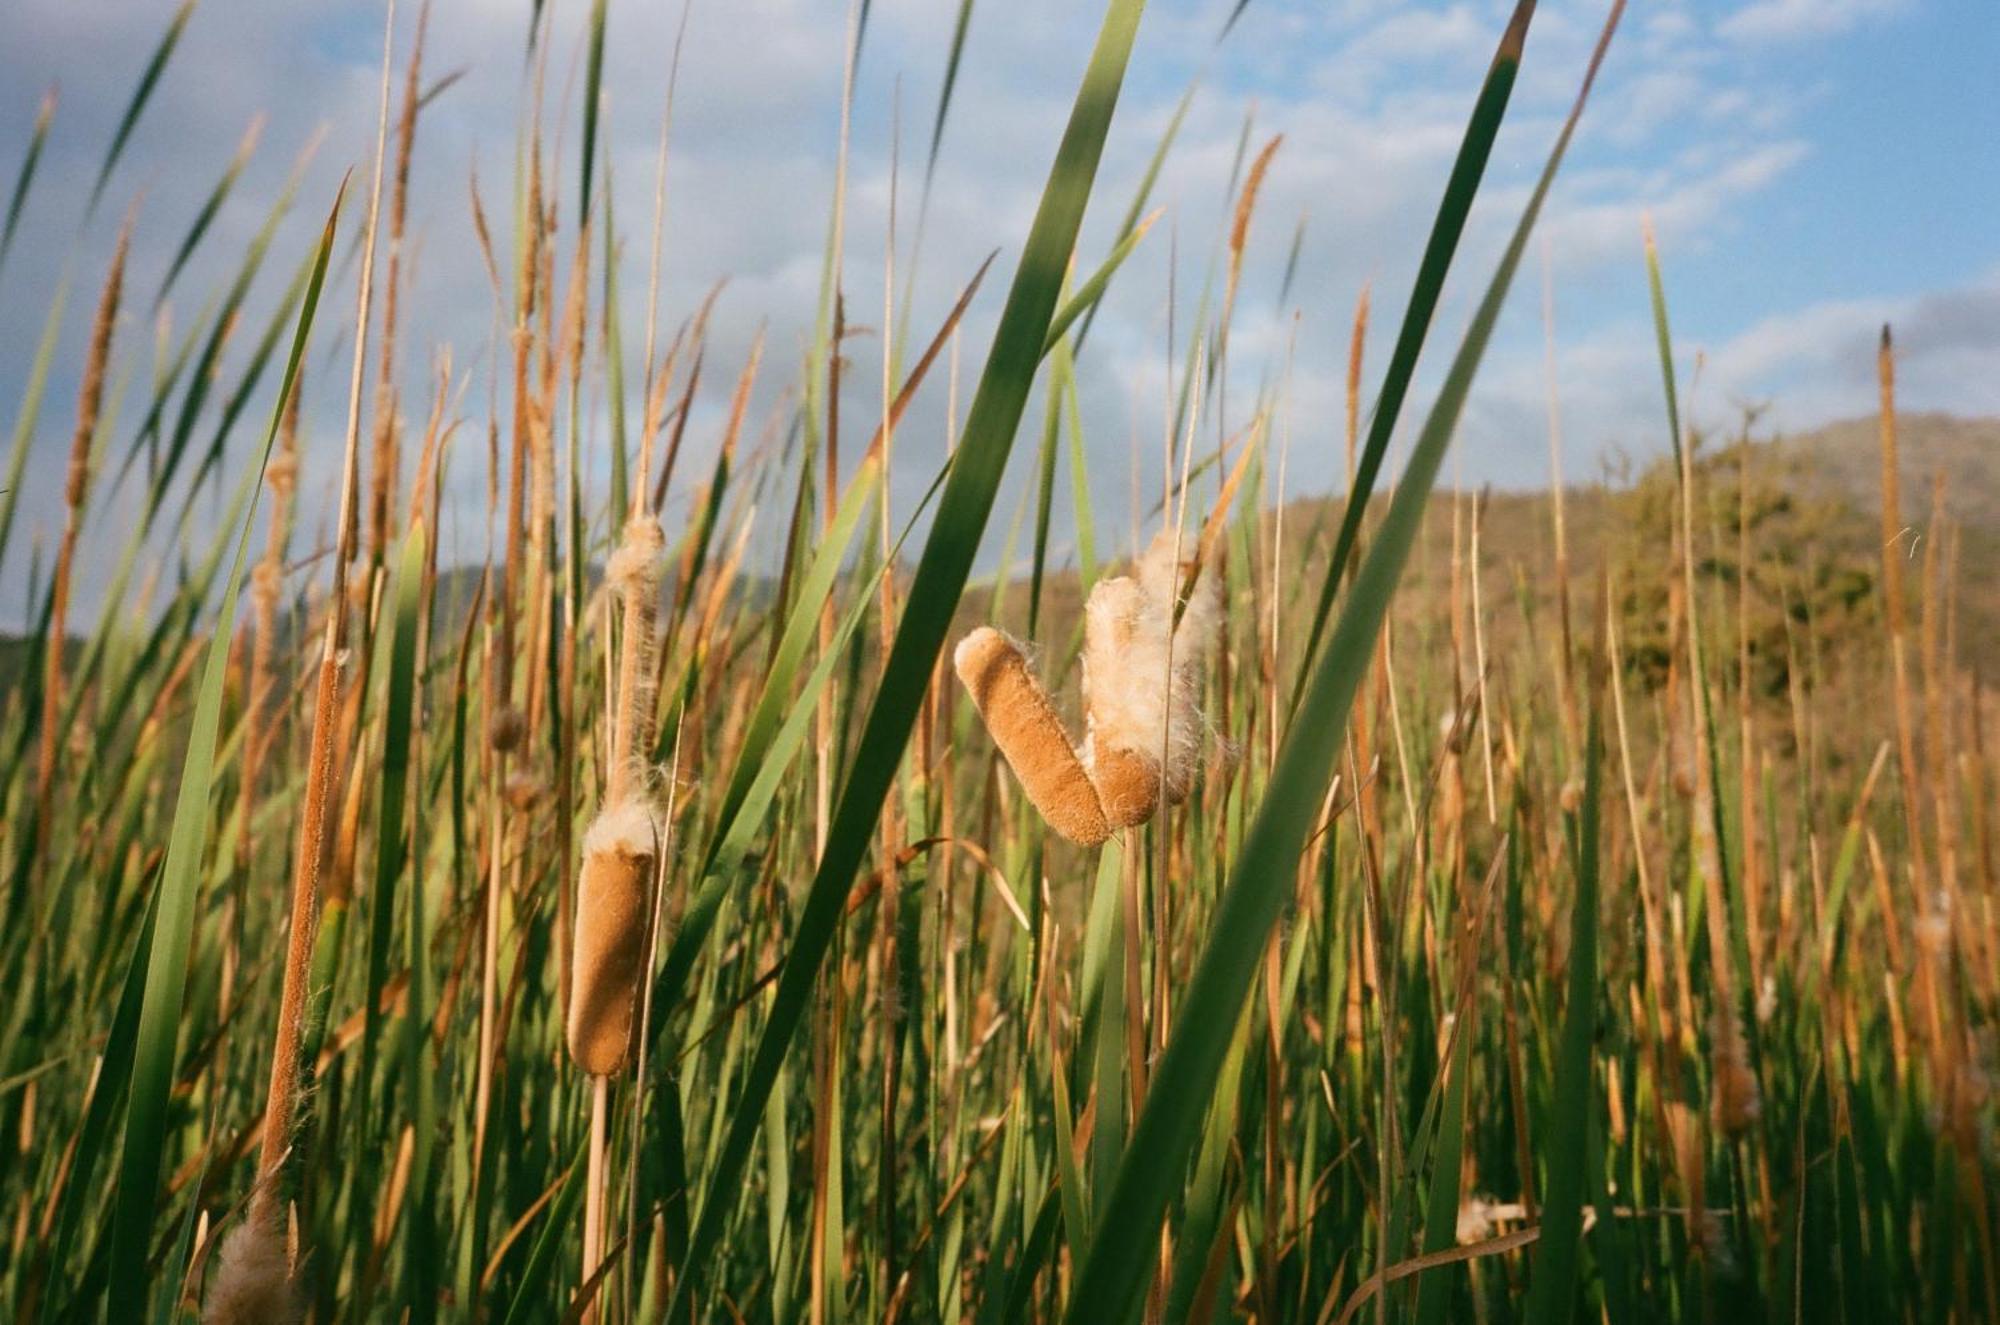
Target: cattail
621	851
1142	677
1734	1100
507	728
634	573
620	854
610	947
523	791
1480	1217
1025	727
253	1282
255	1289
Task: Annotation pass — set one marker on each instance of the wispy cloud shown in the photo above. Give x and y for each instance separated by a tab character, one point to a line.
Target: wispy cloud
1791	20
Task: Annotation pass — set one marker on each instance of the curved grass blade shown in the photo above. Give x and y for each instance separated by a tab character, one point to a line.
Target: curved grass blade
1261	881
593	95
19	198
165	957
1088	294
1137	207
206	216
940	577
105	1097
30	410
1459	190
149	80
958	30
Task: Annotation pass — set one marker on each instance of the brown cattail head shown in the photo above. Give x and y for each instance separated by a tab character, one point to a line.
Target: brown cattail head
252	1283
523	791
1142	678
509	725
1030	735
1734	1101
1128	785
620	855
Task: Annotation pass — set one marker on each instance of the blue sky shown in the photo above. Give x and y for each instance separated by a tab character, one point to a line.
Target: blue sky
1814	167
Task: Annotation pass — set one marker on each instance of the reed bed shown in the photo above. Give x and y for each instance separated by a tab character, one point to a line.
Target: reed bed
1326	918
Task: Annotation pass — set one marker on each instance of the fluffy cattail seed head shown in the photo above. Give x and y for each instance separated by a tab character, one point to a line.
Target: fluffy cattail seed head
252	1282
1933	930
640	561
1142	674
1127	717
1167	664
620	855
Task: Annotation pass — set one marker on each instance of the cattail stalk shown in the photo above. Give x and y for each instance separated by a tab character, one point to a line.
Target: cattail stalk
1894	606
621	860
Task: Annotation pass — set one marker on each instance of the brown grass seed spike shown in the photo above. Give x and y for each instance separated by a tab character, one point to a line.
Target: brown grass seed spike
1025	727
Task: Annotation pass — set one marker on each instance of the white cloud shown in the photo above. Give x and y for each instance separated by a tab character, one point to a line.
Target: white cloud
1792	20
1812	365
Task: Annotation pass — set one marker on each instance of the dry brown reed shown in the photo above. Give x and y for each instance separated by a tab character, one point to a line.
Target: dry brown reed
89	405
246	1277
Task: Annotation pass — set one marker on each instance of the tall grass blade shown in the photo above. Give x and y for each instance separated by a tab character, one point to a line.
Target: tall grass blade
1552	1283
941	572
1261	880
1463	185
140	96
165	957
18	199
